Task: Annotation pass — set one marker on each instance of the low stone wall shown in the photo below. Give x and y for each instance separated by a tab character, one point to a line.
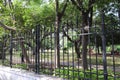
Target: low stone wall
7	73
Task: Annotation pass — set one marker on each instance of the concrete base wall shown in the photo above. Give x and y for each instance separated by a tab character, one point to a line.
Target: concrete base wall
7	73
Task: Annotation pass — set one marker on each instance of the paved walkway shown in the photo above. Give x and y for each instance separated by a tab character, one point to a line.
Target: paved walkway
7	73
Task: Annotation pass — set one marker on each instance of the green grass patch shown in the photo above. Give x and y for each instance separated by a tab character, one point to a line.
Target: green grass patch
21	66
79	74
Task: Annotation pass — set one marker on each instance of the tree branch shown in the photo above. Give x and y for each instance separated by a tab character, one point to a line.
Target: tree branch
78	6
7	27
63	10
65	34
68	36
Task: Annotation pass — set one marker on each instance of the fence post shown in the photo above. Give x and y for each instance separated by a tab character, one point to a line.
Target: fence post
11	48
104	47
57	45
37	55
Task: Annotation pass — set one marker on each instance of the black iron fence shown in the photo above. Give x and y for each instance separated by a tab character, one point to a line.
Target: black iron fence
35	50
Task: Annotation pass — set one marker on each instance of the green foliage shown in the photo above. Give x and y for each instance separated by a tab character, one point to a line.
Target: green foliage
117	47
85	4
45	71
25	15
71	14
80	74
2	32
22	66
100	4
5	63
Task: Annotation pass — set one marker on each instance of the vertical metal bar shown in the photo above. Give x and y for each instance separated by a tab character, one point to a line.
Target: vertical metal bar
73	62
113	55
37	56
96	47
44	51
51	59
78	60
48	53
104	47
32	48
3	51
11	48
119	12
38	45
57	27
41	55
22	53
63	38
68	59
41	48
89	48
90	56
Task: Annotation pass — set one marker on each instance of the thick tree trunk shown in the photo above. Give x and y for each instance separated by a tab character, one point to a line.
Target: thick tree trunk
85	20
84	51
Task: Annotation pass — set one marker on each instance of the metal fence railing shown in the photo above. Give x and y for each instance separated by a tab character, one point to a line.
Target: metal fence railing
35	51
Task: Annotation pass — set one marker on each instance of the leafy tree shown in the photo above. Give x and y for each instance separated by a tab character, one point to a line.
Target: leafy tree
15	18
86	9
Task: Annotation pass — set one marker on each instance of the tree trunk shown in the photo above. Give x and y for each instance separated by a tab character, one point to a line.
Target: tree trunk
84	51
24	52
77	49
84	40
